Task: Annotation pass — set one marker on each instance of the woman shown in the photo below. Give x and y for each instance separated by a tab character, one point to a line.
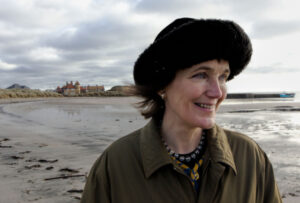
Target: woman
181	155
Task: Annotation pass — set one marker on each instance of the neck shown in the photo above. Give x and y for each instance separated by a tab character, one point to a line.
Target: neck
180	138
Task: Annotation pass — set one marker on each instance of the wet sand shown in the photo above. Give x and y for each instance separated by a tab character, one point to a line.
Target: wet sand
47	146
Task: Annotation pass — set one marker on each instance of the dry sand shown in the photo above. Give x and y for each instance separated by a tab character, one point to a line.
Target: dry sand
47	146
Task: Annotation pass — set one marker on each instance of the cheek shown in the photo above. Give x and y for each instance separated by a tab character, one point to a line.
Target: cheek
195	90
224	93
184	91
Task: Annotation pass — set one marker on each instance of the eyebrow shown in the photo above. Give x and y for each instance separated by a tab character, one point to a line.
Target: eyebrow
227	70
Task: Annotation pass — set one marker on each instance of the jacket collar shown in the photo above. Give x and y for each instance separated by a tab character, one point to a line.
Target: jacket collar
155	156
218	148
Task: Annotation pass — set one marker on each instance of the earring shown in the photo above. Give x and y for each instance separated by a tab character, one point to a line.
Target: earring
163	95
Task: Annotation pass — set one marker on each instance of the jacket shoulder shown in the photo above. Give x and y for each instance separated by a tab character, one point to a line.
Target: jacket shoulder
236	139
243	146
125	145
122	152
106	169
251	159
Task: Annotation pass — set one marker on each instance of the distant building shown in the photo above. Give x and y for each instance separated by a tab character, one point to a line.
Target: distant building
71	89
97	88
126	90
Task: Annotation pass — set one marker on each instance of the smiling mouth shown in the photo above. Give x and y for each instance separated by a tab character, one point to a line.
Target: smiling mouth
205	106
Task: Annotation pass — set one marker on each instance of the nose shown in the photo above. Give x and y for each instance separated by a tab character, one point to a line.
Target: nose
214	89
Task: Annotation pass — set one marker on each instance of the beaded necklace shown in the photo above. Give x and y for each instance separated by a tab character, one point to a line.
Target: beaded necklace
191	162
191	157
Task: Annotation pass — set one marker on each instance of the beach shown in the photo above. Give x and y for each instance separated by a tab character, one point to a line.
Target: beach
48	145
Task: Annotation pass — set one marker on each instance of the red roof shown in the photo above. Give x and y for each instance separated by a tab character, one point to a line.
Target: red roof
70	86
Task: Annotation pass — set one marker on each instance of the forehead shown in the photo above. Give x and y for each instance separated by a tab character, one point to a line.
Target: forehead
211	65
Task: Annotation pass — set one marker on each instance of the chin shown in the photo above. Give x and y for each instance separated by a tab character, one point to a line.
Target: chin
206	123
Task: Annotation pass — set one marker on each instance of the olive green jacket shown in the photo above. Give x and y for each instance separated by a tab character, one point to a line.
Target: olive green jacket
138	169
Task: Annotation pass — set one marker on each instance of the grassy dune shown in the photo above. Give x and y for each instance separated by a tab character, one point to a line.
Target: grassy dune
26	93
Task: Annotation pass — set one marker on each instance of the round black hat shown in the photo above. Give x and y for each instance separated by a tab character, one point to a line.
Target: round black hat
186	42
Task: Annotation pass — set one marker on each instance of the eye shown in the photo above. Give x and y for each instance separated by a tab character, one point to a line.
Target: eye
224	77
201	75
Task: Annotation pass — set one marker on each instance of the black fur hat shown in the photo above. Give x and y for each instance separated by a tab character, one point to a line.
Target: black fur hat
186	42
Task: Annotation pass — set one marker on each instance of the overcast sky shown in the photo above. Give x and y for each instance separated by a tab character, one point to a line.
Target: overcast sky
44	43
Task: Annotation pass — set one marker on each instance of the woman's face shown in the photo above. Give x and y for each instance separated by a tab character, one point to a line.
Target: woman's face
195	94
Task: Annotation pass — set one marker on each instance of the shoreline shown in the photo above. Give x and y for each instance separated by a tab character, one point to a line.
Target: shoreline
19	100
228	105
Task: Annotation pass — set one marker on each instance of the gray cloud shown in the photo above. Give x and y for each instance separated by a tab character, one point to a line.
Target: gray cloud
203	8
268	29
276	68
97	42
165	6
25	76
